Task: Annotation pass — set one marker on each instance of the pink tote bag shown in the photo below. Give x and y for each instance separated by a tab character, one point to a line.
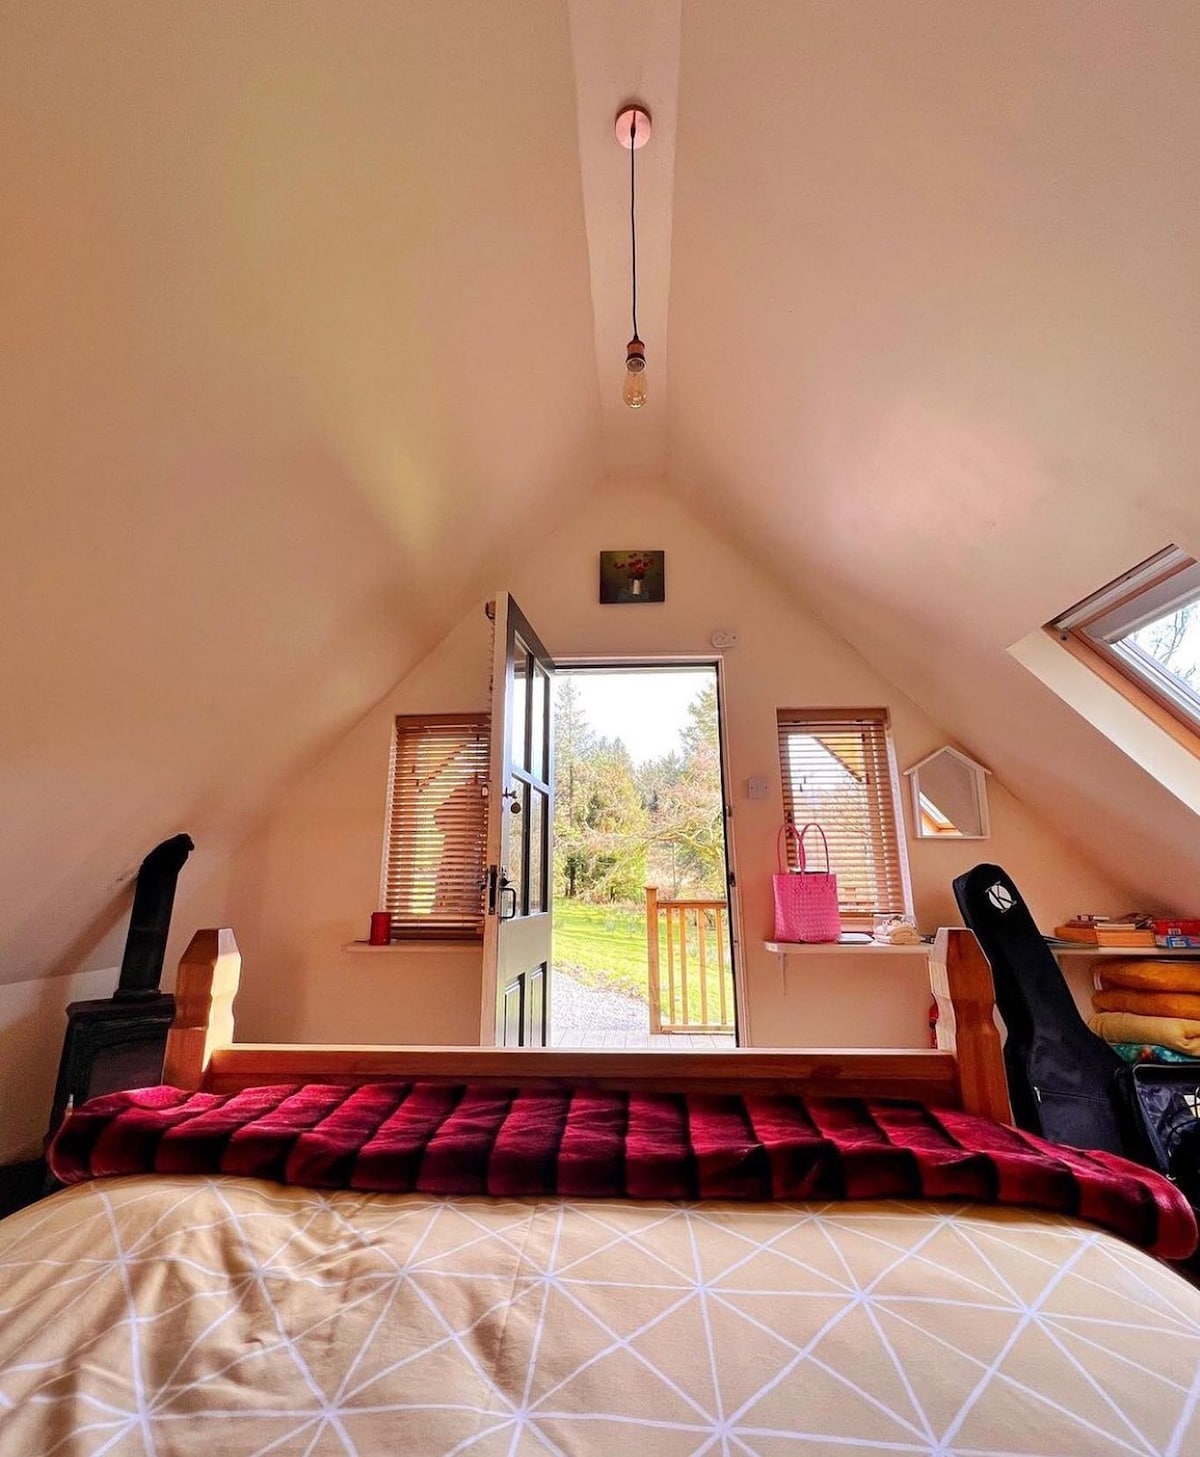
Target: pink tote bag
806	901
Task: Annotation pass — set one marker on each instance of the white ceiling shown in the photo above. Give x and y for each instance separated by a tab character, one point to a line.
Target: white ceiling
937	359
315	312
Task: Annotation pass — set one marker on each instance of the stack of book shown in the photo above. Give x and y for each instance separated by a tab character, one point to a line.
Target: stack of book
1178	931
1107	931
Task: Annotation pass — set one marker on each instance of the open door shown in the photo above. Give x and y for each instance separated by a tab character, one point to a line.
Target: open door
516	934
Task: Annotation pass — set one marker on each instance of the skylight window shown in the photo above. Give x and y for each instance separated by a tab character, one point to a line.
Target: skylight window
1146	624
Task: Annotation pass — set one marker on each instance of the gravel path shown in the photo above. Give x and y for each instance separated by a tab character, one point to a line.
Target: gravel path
589	1010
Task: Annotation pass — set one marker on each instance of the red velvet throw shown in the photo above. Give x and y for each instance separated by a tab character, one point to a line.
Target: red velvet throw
436	1138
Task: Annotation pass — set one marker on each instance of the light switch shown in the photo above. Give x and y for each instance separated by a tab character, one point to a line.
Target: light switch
757	788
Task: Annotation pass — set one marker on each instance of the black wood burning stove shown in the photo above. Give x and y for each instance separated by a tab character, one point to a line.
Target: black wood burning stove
119	1042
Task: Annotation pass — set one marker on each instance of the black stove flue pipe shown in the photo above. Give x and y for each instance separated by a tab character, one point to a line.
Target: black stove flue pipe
150	920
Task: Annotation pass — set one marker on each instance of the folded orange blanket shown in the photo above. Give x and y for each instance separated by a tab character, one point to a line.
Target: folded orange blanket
1172	1032
1151	976
1149	1004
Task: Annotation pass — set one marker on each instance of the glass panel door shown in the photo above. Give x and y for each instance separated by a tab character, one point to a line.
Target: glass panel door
521	813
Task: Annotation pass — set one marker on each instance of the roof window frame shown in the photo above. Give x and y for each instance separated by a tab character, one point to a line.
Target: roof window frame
1092	630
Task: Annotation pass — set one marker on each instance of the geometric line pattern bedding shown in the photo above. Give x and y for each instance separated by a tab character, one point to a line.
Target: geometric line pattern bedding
187	1317
436	1138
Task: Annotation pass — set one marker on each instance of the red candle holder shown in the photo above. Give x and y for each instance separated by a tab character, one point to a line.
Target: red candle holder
381	928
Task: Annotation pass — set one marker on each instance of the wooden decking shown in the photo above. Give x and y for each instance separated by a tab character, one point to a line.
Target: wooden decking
659	1041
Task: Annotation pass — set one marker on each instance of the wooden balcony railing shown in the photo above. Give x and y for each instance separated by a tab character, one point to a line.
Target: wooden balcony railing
696	992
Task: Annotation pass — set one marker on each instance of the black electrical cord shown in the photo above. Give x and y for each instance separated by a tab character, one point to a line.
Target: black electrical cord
633	212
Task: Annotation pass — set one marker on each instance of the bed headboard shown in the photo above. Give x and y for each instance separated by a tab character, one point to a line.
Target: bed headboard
966	1070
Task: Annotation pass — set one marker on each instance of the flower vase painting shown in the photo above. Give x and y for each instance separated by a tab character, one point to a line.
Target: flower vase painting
633	576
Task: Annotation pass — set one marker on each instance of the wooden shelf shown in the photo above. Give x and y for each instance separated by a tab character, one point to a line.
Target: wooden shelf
1136	953
1081	948
845	948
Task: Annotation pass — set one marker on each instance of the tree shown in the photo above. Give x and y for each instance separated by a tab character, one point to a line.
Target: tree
600	820
683	795
614	824
1164	638
574	744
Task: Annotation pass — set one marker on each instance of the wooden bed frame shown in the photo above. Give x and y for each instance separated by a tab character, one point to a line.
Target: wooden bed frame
965	1071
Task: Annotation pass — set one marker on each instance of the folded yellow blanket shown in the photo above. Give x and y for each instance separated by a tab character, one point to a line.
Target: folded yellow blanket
1148	1004
1177	1033
1151	976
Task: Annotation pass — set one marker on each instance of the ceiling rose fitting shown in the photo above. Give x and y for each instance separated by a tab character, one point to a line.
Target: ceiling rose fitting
624	126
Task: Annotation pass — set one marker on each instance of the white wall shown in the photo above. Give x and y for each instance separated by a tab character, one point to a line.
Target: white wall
33	1019
306	883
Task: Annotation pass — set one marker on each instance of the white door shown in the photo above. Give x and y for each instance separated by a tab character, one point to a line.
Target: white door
516	934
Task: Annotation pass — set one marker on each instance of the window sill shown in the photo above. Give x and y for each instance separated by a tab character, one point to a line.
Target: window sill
853	948
393	947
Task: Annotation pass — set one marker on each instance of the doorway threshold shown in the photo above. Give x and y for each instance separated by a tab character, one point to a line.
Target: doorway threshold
647	1041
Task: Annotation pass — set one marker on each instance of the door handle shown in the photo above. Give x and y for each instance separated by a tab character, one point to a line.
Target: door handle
508	888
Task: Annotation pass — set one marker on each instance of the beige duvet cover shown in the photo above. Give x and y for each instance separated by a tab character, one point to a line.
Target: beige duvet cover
220	1316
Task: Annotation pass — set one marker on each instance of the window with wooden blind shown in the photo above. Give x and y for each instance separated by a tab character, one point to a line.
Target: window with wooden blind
837	770
437	826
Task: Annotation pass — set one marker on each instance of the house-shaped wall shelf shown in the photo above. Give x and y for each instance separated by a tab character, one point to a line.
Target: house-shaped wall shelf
949	796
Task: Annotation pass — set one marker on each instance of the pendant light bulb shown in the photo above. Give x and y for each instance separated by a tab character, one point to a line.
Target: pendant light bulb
633	131
634	391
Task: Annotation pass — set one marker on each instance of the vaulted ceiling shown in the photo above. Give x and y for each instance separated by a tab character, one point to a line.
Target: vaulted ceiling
314	315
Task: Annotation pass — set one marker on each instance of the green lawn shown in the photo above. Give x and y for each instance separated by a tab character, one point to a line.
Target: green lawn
605	947
602	946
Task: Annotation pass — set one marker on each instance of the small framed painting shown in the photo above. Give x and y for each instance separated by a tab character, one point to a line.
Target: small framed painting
633	576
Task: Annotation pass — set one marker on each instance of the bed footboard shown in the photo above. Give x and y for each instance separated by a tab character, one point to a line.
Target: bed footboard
964	1071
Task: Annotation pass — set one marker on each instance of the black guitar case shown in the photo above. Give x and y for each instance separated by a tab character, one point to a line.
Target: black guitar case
1062	1078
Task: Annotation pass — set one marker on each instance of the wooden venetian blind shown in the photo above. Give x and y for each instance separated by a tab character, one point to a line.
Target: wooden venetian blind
437	826
837	771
